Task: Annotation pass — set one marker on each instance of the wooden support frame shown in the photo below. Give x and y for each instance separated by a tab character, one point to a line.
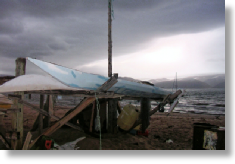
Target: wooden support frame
65	119
92	116
168	99
40	126
45	113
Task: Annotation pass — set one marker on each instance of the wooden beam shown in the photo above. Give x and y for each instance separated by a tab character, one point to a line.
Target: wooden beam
119	108
107	85
77	93
65	119
92	116
4	141
50	109
40	127
144	113
27	141
17	118
112	115
109	39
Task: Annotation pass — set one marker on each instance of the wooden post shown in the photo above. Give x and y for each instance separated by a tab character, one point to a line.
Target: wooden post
40	127
109	39
112	116
145	108
92	116
17	118
49	107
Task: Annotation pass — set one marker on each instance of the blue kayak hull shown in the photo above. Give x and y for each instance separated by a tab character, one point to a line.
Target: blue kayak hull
87	81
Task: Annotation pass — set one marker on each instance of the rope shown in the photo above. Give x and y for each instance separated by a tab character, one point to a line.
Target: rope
97	120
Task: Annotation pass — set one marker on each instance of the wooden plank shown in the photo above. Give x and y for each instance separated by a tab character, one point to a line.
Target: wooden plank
109	39
4	100
92	116
76	93
27	141
65	119
112	116
119	108
107	85
4	141
144	113
17	118
5	106
40	127
50	109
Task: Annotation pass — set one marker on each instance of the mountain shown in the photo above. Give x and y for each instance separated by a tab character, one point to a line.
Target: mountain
5	78
212	80
158	80
220	85
183	83
129	79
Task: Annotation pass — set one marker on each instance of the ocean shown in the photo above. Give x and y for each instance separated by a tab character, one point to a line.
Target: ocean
201	101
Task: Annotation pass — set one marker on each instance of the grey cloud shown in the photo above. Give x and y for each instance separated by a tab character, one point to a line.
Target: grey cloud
72	32
10	26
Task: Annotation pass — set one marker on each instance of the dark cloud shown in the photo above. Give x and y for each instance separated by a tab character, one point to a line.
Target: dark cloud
73	32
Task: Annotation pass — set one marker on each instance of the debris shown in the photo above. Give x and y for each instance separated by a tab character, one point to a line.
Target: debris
70	145
146	133
169	141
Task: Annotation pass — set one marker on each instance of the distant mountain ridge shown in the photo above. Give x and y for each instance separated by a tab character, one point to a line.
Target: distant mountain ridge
206	81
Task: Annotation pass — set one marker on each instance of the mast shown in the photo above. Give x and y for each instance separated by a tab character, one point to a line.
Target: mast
176	82
109	39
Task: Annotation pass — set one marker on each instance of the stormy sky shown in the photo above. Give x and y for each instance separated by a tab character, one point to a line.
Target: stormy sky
151	38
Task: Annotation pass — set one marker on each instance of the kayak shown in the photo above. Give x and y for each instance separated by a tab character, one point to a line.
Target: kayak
87	81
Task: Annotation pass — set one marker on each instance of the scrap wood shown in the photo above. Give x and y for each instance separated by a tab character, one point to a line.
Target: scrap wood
70	145
92	116
4	100
27	141
65	119
3	139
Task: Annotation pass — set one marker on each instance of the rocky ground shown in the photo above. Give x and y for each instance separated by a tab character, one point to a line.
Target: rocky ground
176	128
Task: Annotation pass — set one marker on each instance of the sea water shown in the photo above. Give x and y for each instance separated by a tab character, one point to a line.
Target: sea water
201	101
204	101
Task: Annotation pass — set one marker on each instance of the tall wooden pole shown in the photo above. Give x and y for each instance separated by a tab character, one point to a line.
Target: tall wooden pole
109	39
17	118
40	125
